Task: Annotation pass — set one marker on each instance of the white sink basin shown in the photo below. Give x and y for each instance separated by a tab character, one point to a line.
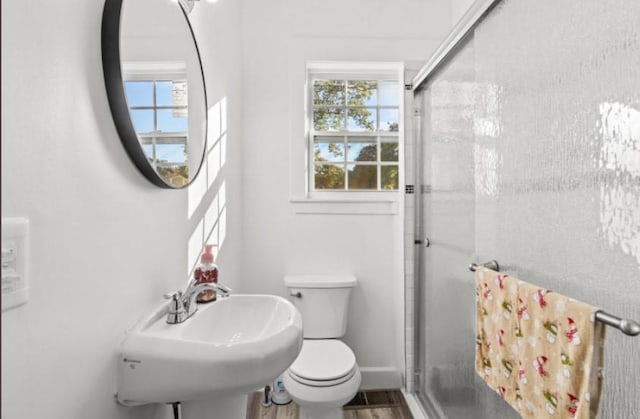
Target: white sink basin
231	346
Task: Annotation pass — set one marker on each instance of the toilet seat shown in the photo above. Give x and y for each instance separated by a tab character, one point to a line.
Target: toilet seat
323	363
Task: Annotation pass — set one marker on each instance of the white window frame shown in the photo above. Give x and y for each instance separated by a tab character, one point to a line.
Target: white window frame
354	71
158	72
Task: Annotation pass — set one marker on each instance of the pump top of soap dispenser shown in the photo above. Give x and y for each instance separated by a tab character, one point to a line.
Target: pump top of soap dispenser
207	255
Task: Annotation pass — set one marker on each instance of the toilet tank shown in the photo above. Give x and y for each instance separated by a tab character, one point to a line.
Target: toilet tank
323	301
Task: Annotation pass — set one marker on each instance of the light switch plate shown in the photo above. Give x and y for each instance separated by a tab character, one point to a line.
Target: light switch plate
15	258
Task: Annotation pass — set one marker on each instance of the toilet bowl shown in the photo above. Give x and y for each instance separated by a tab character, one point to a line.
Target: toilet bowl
323	378
325	375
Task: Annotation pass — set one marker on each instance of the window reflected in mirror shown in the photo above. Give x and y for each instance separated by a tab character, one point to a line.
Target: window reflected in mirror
159	110
156	89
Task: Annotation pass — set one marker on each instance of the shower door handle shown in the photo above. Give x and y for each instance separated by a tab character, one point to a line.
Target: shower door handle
426	242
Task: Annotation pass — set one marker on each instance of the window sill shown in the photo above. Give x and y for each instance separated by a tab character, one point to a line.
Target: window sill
345	206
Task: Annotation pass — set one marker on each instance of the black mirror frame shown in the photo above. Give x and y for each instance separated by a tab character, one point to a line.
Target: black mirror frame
117	99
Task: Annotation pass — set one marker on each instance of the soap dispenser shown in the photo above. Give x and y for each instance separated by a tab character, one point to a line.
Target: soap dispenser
206	272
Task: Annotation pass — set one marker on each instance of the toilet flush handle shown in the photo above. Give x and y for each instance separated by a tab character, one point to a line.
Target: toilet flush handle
296	294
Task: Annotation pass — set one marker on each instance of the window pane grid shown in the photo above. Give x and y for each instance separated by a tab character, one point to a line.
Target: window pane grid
173	139
348	171
354	134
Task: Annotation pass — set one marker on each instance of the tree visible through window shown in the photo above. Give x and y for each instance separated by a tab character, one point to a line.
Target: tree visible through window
355	127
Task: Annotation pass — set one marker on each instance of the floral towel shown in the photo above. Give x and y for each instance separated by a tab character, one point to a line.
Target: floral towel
541	351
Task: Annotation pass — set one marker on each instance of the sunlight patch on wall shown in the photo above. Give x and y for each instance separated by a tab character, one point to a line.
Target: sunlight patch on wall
195	247
213	163
214	122
211	229
196	191
213	218
223	115
222	227
223	149
215	157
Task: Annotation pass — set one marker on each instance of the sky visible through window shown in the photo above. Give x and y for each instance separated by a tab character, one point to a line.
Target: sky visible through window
160	116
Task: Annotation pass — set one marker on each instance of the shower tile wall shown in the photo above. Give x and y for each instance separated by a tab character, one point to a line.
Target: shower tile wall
532	140
409	237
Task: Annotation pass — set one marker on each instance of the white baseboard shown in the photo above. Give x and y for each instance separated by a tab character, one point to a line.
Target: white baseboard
380	377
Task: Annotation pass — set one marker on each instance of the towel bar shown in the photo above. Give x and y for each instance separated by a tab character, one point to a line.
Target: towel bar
492	264
626	326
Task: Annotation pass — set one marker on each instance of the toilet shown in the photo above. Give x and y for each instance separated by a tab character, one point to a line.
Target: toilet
325	376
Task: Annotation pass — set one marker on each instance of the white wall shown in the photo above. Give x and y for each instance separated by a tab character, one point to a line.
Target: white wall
105	243
279	37
459	8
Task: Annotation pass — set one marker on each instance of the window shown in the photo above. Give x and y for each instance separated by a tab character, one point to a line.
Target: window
354	132
159	111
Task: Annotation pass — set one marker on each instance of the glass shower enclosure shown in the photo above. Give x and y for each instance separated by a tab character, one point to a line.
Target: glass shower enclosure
529	153
448	386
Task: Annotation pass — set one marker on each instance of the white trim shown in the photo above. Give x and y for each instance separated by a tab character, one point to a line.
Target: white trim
471	18
374	378
154	67
344	206
394	69
379	71
154	71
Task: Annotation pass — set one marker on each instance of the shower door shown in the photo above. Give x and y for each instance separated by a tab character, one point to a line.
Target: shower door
446	382
529	137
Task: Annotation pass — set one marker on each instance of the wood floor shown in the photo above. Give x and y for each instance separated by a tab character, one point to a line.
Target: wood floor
370	404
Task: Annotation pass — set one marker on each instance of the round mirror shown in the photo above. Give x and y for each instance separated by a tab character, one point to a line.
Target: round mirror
155	85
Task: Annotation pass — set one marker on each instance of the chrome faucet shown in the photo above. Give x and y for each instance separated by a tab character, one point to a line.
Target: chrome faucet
184	305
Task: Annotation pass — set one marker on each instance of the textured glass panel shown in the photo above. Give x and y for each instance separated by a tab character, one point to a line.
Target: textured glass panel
449	214
363	177
389	177
532	151
139	93
361	119
328	119
142	120
362	149
362	92
329	176
329	92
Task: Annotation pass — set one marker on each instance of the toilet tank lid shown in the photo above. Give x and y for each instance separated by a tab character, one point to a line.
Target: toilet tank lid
320	281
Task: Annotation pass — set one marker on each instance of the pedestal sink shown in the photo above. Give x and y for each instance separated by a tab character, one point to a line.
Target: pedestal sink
210	362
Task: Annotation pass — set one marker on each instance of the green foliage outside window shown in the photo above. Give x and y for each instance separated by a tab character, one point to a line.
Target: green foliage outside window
345	162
